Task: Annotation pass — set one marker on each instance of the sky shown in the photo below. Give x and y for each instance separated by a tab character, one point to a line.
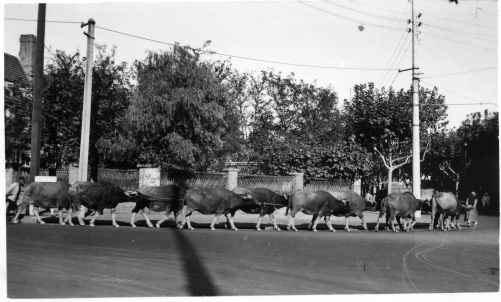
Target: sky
456	49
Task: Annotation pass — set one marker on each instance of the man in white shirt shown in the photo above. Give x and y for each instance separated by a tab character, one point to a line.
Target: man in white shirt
14	194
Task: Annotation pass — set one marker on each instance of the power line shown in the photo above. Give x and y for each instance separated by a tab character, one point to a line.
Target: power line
463	96
362	12
488	38
460	42
246	58
348	18
461	22
47	21
394	56
460	72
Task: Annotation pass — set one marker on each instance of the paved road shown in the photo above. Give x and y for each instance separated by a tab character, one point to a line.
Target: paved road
52	261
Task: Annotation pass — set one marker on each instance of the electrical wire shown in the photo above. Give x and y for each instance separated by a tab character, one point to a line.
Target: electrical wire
48	21
460	42
463	96
394	56
489	38
362	12
461	22
460	72
348	18
246	58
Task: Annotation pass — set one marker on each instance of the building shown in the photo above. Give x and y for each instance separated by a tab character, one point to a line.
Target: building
18	75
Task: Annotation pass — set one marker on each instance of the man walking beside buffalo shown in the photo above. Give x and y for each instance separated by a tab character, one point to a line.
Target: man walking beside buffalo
14	194
471	209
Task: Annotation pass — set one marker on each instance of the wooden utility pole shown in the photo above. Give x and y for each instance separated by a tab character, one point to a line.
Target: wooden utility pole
36	115
416	165
86	112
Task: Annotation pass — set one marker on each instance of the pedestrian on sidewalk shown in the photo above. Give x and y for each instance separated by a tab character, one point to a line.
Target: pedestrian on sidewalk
471	209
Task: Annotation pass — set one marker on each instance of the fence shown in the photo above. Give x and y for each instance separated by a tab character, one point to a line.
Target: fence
326	185
193	179
125	179
62	174
279	184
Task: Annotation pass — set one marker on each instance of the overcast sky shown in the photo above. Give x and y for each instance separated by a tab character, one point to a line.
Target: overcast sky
456	50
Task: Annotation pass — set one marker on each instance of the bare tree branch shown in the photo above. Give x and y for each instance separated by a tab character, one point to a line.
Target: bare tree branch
382	157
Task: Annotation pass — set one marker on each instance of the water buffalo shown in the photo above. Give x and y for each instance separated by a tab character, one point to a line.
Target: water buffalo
266	202
445	204
98	196
47	195
215	201
316	203
399	205
357	205
167	198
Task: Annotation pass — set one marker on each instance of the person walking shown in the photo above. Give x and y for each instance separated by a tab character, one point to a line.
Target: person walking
13	193
471	209
486	201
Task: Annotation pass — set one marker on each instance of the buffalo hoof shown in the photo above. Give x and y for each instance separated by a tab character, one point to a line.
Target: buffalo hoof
116	225
62	223
156	225
41	222
191	228
333	230
396	231
347	229
71	224
386	229
314	230
15	221
277	229
92	225
235	229
212	229
258	229
376	230
132	225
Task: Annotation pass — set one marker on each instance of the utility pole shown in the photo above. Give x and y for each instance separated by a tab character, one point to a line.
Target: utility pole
416	168
86	112
36	115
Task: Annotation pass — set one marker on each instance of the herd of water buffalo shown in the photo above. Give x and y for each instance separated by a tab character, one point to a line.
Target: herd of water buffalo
97	196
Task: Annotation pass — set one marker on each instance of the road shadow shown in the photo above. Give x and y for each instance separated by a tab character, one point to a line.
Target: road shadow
199	283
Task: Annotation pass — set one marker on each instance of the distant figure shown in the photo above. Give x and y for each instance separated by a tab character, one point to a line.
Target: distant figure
486	202
471	209
369	197
14	193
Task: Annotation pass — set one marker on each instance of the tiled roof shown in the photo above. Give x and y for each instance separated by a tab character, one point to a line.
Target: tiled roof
13	70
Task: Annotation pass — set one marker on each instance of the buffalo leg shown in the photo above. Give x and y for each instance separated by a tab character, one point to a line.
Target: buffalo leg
399	223
69	213
258	225
364	224
347	223
275	226
392	223
314	227
376	228
214	220
159	223
189	223
290	224
232	224
148	221
60	213
114	217
80	215
35	211
96	214
313	218
329	223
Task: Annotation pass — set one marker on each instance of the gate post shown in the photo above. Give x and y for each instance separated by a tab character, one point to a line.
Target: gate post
297	182
232	178
72	174
356	186
149	177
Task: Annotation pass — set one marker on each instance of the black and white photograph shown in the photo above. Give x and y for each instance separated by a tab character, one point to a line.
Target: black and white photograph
317	149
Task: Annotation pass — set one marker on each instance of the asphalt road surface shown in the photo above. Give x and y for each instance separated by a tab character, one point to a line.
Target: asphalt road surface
52	261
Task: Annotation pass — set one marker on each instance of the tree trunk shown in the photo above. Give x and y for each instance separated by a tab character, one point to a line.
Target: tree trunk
390	179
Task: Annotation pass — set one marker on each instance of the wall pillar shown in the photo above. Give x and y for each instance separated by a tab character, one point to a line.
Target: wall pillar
357	186
10	176
149	177
297	182
72	174
232	178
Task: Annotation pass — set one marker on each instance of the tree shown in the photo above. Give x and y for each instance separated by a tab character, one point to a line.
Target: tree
63	100
381	121
180	116
18	100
